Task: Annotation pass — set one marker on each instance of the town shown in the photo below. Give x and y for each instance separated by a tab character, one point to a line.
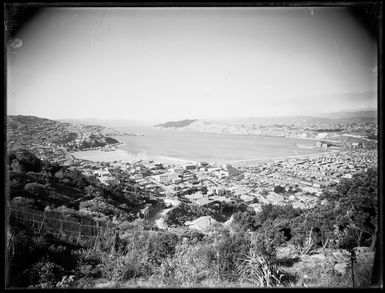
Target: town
297	180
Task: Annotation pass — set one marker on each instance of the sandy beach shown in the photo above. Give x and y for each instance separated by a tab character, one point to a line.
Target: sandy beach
123	156
171	160
101	156
251	162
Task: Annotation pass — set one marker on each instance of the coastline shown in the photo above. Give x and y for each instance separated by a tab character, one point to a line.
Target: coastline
172	160
102	156
254	161
240	134
121	155
126	157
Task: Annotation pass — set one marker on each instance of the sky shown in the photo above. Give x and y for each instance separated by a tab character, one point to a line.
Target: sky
164	64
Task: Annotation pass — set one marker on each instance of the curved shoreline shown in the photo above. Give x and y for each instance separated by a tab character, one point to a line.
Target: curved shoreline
119	153
251	161
126	157
102	156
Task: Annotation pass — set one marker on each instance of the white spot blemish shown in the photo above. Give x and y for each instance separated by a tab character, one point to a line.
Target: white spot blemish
15	43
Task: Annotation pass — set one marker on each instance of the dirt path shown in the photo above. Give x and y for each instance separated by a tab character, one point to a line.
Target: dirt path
159	218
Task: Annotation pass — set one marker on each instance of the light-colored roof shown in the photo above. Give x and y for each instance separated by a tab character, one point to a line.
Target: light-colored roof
203	201
201	223
220	198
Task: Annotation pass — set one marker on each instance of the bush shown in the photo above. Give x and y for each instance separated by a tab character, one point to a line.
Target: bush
161	245
245	220
267	239
66	282
230	251
35	189
258	270
191	266
24	160
279	189
117	268
45	274
88	263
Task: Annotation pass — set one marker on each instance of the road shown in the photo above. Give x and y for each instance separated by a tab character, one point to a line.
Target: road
159	218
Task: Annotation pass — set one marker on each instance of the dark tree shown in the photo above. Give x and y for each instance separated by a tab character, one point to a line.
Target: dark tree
24	160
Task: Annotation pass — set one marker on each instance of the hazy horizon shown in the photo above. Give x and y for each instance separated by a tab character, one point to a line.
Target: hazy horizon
163	64
155	121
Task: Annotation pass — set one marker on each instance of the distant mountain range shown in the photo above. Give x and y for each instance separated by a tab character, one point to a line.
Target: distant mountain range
351	115
177	124
254	125
107	122
326	117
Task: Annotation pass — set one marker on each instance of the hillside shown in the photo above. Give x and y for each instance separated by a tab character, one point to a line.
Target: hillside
109	123
27	131
176	124
38	185
361	123
280	246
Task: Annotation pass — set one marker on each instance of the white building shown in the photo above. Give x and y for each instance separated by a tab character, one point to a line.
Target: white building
247	198
194	196
177	170
166	178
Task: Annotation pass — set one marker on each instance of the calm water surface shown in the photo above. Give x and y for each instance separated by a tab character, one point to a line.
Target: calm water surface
198	146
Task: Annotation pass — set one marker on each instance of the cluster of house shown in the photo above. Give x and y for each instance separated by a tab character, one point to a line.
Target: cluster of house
204	183
51	153
317	172
312	129
310	174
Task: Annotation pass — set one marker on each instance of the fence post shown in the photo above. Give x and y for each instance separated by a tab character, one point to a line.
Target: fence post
61	226
33	222
353	260
96	240
97	234
42	223
115	241
106	230
80	233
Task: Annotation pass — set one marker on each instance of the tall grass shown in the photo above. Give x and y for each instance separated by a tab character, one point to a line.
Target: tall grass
258	270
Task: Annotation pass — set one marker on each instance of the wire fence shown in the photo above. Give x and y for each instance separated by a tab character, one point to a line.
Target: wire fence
72	225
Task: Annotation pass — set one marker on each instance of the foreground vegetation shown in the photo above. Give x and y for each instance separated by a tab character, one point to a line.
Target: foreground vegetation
278	247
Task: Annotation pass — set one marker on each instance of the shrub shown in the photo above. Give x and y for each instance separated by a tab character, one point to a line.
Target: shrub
279	189
117	268
66	282
191	266
24	160
230	251
246	220
35	189
45	274
258	270
88	263
267	239
161	245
